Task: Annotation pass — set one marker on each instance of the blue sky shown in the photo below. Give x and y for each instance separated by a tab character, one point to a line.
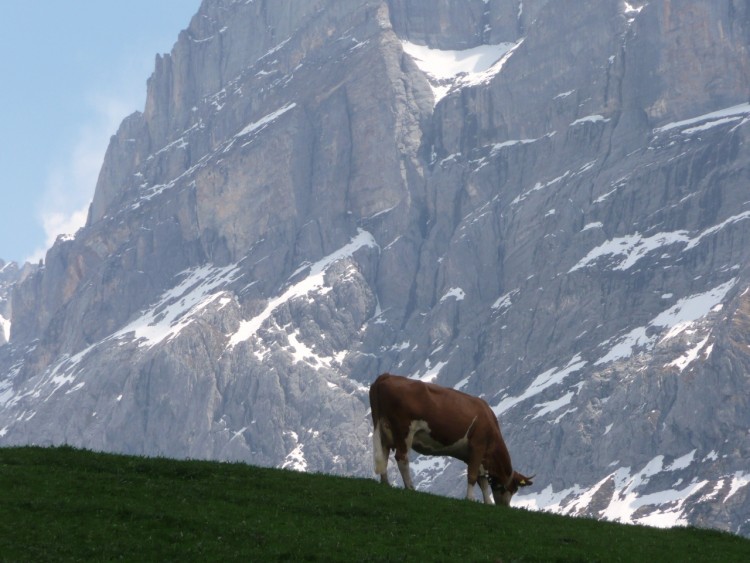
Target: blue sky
71	71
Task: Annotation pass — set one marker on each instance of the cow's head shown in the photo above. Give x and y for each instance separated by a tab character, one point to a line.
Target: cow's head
503	492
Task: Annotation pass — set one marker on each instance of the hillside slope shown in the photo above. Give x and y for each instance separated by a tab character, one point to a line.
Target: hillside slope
63	504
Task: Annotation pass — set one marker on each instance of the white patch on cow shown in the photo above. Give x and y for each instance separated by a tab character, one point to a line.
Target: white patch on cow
420	439
418	427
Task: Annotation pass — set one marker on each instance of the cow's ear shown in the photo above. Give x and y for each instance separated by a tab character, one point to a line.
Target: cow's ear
522	481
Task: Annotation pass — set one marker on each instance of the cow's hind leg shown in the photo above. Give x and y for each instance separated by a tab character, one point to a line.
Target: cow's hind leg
380	454
402	459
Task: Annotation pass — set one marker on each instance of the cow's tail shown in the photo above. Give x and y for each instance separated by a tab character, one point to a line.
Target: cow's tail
379	453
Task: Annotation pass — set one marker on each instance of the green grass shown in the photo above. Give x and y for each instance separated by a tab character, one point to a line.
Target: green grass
63	504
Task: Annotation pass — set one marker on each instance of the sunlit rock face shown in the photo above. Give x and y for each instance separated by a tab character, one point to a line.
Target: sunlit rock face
8	277
540	205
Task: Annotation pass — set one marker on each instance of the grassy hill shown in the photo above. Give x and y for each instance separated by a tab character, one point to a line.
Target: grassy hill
66	504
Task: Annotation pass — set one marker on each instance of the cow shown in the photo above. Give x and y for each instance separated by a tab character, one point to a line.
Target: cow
434	420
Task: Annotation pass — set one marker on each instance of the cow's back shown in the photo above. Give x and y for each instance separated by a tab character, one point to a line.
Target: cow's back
391	394
450	414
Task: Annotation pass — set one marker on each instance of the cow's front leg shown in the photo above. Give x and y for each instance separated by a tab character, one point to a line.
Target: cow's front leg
471	479
484	484
472	473
470	491
402	459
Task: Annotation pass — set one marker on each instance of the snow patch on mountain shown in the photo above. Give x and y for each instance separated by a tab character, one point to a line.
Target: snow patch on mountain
628	250
431	371
554	405
505	301
179	306
707	120
426	469
553	376
5	327
456	293
596	118
63	373
675	320
314	281
691	355
632	500
259	124
454	69
295	459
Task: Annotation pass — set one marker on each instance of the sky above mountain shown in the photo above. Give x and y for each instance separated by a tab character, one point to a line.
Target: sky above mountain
70	75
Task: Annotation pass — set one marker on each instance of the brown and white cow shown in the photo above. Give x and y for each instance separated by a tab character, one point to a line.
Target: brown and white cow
434	420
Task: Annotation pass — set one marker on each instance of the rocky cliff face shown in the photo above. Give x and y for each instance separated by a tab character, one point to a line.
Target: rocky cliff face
542	203
10	276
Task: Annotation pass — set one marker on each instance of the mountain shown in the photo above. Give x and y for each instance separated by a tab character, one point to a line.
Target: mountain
539	202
